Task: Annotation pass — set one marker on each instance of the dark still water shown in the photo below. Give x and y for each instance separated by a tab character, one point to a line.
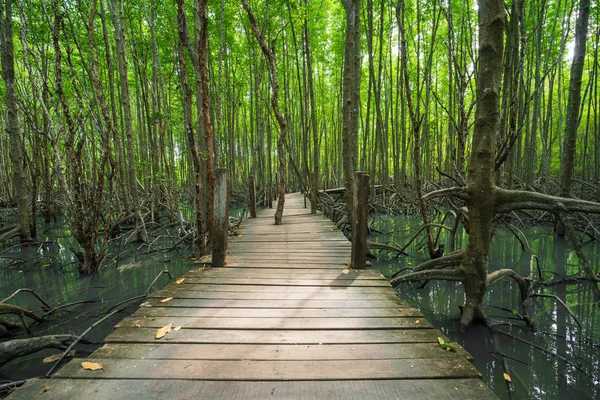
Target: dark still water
51	272
534	371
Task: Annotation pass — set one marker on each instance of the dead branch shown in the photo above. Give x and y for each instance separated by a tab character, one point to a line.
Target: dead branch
12	349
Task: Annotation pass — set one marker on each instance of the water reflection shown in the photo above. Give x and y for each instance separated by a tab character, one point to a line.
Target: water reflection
534	371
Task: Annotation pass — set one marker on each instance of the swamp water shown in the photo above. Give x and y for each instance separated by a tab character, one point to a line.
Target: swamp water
535	373
52	274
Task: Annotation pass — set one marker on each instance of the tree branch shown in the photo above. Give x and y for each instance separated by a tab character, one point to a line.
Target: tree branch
436	274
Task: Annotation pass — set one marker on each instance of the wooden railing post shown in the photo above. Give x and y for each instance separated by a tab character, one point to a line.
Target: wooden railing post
220	218
252	197
360	199
313	194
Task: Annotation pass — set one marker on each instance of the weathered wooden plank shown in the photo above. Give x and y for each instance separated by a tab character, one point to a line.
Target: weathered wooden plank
296	303
291	282
277	312
350	290
276	323
146	335
181	293
337	265
249	370
120	389
285	274
381	351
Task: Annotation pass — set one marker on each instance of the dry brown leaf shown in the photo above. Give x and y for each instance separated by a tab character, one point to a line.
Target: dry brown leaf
418	321
167	299
507	377
46	388
163	331
56	357
346	271
91	366
179	281
137	324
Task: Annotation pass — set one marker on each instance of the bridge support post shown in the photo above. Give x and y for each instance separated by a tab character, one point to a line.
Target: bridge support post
313	194
252	197
360	198
220	218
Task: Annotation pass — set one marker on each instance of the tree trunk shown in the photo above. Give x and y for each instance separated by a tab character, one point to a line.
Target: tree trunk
480	180
13	126
270	57
351	98
574	100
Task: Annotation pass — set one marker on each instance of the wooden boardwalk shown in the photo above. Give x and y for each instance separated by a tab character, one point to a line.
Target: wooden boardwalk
281	321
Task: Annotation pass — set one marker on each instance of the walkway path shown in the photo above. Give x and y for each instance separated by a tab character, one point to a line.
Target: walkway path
283	319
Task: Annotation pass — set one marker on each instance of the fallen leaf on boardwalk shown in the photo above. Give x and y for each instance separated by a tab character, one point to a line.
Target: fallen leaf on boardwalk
507	377
445	345
346	271
46	388
56	357
163	331
91	366
418	321
165	300
178	281
176	328
137	324
239	235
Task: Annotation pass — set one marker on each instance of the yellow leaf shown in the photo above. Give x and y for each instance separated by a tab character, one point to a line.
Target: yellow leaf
46	265
46	388
167	299
163	331
239	235
455	388
193	258
418	321
346	271
91	366
507	377
176	328
137	324
56	357
178	281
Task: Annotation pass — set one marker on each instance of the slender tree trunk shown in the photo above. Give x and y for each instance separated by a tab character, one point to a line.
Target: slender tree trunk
270	57
574	100
351	99
189	125
13	125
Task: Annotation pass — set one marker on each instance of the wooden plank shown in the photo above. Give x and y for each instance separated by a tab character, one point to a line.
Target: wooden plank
276	323
350	290
240	295
276	312
120	389
173	351
146	335
296	303
291	282
271	273
250	370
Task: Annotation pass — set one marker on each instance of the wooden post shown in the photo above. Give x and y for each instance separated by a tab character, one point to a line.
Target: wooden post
220	218
252	198
360	198
313	194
